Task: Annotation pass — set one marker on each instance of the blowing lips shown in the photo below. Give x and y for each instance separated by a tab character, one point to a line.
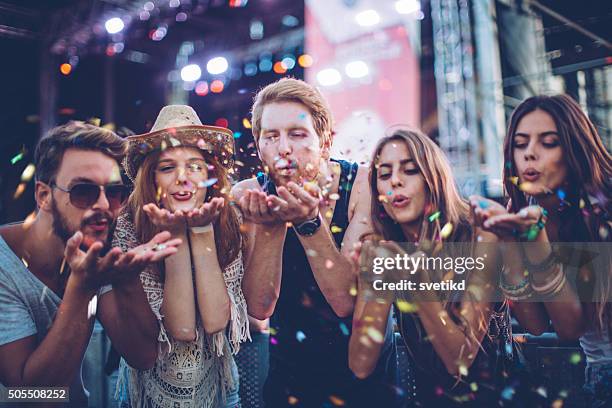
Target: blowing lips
98	222
182	195
285	167
531	174
400	201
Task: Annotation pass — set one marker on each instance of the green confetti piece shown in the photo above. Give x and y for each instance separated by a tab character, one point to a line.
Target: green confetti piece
434	216
17	158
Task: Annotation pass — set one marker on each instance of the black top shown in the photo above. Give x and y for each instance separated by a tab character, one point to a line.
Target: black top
487	377
307	338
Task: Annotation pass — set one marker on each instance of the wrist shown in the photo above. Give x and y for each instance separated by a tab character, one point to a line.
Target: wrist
309	226
80	287
201	229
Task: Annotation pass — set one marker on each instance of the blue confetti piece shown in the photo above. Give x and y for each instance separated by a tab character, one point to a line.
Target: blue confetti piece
300	336
237	135
561	194
508	393
344	329
260	174
483	204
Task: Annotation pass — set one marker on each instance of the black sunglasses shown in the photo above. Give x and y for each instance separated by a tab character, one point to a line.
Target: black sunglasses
84	195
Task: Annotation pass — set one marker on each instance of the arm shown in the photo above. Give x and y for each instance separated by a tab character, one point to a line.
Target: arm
335	282
264	252
564	307
130	324
457	344
178	307
57	359
363	351
212	297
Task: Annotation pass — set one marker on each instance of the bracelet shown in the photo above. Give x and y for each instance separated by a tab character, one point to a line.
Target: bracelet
553	286
543	266
200	230
520	291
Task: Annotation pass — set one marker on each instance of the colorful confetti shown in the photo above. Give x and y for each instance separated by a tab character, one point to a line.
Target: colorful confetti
575	358
28	173
16	158
207	183
339	402
300	336
375	334
19	191
406	307
434	216
446	230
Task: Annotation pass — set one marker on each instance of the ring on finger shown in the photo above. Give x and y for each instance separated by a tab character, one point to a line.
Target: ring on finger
159	247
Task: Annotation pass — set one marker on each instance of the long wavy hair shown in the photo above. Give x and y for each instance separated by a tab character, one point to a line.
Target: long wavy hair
441	189
228	237
588	185
442	195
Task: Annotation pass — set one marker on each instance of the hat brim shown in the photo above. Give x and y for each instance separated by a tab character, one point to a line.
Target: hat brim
216	140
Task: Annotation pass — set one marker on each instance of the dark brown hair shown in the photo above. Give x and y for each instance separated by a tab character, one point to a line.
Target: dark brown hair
78	135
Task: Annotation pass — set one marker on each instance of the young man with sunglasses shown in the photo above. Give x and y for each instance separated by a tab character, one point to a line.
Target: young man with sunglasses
55	265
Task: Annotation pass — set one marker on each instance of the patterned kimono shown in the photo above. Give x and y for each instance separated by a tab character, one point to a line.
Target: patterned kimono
187	374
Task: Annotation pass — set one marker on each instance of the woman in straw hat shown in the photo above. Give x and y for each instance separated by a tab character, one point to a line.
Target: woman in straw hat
180	174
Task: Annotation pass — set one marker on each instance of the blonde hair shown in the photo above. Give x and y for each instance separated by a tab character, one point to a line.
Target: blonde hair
295	90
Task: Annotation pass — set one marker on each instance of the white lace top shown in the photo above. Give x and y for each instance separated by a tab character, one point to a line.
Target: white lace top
186	374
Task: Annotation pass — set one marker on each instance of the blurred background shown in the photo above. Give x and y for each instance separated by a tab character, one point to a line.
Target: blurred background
454	68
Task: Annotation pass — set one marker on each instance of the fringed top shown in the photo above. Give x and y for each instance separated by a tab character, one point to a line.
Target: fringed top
186	374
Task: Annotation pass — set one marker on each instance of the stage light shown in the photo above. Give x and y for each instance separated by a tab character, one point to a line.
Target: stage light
305	61
180	17
407	6
288	63
222	122
290	21
256	30
250	69
279	68
201	88
367	18
65	68
356	69
216	86
329	77
174	3
114	25
217	65
159	33
238	3
265	65
148	6
191	72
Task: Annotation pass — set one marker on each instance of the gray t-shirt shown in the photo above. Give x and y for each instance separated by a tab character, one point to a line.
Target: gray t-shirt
28	307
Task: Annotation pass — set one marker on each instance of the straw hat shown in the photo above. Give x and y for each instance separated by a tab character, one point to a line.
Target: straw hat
175	126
